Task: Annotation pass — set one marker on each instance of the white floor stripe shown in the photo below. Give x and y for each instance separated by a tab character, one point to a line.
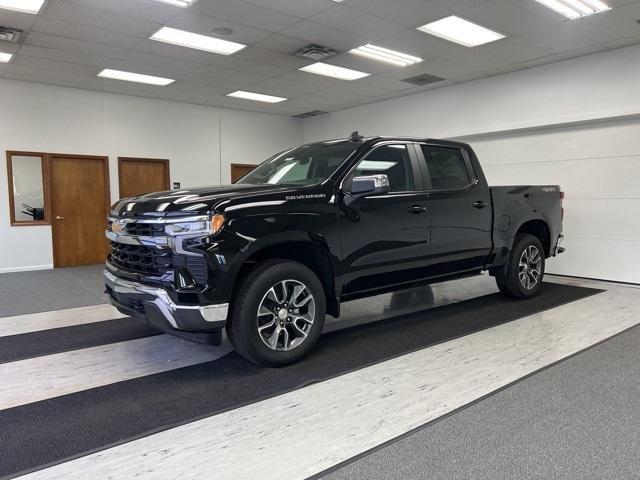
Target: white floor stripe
306	431
35	379
34	322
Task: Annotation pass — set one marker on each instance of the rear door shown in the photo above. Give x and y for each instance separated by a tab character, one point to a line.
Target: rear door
459	208
385	237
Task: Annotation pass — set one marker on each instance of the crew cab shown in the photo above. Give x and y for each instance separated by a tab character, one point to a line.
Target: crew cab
267	257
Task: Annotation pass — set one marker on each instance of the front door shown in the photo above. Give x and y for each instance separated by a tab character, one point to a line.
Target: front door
80	204
384	238
460	210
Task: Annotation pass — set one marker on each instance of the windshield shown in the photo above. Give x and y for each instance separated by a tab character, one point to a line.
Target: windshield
306	165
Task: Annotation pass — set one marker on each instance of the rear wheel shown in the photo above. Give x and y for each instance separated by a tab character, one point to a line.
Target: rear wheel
525	268
278	313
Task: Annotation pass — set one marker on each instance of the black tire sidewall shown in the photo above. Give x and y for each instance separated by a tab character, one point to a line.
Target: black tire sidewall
244	330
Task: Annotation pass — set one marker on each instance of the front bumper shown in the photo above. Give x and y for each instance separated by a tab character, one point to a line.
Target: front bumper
155	304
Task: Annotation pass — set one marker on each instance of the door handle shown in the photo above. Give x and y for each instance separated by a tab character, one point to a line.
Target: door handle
59	217
479	204
417	209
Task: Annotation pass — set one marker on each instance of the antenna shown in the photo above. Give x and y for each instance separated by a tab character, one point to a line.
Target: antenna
356	137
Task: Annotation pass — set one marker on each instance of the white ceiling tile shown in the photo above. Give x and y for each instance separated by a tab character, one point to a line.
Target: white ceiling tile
456	6
299	8
329	37
410	13
41	78
610	26
418	43
514	50
271	57
84	33
355	62
204	24
508	17
175	51
72	76
281	43
147	10
561	37
245	13
101	19
45	65
72	45
22	21
357	22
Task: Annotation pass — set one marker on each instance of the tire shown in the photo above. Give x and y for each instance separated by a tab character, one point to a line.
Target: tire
290	298
525	268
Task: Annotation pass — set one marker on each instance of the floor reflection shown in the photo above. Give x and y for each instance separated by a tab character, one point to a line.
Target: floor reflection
410	300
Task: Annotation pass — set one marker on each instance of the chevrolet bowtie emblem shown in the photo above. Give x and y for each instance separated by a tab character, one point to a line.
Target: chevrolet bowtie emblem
117	227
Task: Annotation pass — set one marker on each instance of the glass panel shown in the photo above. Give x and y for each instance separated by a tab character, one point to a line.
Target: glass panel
28	188
446	166
392	160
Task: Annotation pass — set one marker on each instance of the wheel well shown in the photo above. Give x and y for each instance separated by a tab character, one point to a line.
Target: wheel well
307	253
540	229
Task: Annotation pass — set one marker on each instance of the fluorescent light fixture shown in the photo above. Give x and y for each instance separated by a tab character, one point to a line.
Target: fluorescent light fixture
134	77
195	40
258	97
575	8
459	30
5	57
327	70
385	55
26	6
177	3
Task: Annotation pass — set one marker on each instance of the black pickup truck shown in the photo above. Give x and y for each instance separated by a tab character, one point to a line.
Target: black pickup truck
316	225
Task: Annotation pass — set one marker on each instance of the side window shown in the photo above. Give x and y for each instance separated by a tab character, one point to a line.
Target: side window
393	161
447	167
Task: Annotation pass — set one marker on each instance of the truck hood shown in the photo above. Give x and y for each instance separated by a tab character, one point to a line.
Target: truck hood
195	201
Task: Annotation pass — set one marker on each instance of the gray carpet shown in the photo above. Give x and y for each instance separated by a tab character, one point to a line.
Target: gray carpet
46	290
579	419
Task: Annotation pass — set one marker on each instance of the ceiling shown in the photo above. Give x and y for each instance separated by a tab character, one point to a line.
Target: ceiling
70	41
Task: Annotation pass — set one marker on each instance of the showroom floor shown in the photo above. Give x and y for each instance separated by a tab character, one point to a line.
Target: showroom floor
522	389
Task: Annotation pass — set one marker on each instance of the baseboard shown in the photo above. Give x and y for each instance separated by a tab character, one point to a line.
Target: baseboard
25	269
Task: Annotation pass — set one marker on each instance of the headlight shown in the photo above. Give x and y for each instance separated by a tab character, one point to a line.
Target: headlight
205	227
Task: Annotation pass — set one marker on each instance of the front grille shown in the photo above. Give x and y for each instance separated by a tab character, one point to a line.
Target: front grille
133	302
143	229
155	261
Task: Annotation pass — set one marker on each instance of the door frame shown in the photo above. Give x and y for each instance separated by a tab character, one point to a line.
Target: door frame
45	188
164	161
107	185
240	165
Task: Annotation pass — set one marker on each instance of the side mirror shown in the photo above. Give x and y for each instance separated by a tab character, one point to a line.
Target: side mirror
366	186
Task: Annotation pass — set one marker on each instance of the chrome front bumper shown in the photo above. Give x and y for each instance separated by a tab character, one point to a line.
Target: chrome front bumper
157	306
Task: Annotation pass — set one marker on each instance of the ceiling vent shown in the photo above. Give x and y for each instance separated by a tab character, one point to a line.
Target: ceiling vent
315	52
10	34
312	113
424	79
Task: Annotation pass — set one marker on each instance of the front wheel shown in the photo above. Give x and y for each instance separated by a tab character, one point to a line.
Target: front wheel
525	268
278	313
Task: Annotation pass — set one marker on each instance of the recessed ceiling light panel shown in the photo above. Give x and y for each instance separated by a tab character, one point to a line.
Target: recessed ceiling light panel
183	38
5	57
573	9
385	55
25	6
320	68
177	3
459	30
134	77
258	97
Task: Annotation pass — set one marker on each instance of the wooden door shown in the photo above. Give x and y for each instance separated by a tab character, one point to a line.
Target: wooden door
240	170
79	189
142	175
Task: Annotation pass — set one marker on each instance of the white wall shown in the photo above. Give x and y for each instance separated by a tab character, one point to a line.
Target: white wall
574	123
598	167
53	119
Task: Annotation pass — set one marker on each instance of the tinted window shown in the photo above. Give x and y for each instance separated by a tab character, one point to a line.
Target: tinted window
306	165
393	161
447	167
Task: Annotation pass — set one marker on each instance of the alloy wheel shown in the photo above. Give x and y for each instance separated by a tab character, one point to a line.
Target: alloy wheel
530	267
285	315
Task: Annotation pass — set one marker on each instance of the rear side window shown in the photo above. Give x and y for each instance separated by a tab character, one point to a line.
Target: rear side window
447	167
394	162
